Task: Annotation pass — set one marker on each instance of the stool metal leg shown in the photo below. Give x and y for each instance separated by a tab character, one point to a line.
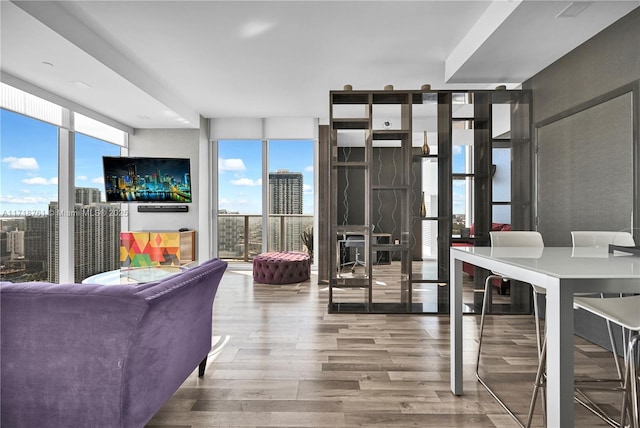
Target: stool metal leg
539	382
485	305
630	395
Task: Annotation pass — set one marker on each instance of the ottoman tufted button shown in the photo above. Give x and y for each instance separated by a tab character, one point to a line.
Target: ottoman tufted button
281	267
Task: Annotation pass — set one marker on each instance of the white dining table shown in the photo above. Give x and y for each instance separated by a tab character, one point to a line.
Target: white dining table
562	271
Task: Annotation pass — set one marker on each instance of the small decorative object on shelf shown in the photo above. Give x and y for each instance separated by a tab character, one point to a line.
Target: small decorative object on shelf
501	88
425	87
386	124
347	88
388	88
423	207
425	145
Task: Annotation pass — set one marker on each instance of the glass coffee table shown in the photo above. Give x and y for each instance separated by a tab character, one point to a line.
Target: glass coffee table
134	275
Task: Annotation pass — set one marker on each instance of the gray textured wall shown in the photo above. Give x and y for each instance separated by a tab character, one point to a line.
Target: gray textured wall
584	173
607	61
572	188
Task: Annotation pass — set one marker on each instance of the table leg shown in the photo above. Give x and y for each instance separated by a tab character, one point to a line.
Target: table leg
456	340
559	325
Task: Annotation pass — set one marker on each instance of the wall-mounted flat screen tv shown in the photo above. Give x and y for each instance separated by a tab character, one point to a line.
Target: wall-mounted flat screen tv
146	179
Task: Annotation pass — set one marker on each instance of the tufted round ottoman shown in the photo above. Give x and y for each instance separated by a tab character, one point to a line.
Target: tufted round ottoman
281	267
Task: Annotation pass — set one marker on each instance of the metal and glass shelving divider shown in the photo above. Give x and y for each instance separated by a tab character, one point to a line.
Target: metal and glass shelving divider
341	165
351	165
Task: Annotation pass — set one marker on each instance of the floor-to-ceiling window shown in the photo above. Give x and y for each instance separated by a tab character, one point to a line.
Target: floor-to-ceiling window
97	229
45	236
239	185
247	208
290	195
28	192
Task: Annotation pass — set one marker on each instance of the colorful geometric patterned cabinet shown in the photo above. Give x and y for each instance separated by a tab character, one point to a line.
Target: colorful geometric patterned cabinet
156	248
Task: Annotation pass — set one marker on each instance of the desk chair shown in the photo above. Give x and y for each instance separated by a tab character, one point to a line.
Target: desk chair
510	239
354	241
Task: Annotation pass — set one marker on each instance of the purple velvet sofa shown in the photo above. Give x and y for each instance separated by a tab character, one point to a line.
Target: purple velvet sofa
86	355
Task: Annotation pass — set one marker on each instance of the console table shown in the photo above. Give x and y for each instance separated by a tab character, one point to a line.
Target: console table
157	248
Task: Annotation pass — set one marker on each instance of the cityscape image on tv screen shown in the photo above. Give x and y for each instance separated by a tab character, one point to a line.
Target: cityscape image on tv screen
138	179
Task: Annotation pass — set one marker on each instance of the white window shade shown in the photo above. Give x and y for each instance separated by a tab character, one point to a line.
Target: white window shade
264	128
93	128
29	105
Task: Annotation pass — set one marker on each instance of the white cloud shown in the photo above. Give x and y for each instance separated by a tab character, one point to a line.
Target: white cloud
309	168
307	188
457	149
82	178
246	182
21	163
231	165
40	181
10	199
98	180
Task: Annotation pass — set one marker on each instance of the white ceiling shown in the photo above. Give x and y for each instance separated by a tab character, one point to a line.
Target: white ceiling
162	64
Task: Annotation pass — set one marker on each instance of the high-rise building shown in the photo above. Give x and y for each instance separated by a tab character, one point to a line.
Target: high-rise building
36	236
97	240
15	244
4	252
230	235
87	195
285	201
96	243
285	192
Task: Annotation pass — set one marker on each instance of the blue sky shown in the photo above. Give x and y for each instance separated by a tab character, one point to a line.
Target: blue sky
29	155
240	171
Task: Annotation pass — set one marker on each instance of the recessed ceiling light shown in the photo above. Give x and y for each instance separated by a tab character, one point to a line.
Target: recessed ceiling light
254	28
574	9
80	84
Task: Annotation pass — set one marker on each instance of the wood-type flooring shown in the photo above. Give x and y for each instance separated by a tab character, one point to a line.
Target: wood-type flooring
281	360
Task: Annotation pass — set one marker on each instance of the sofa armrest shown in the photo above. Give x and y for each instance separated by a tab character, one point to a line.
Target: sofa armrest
173	337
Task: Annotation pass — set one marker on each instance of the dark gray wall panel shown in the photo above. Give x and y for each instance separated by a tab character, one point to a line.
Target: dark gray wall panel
585	171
